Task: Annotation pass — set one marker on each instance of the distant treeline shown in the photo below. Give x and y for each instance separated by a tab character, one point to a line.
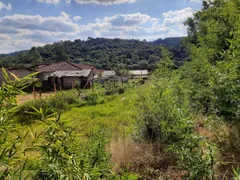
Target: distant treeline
100	52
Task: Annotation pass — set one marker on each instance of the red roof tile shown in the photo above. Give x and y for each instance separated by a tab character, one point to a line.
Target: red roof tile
62	66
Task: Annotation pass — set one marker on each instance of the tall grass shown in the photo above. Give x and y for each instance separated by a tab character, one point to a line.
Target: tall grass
117	113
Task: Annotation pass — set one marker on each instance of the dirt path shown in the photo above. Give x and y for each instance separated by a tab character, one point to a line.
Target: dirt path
24	98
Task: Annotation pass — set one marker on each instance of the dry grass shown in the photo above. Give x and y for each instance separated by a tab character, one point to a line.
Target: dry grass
147	159
227	136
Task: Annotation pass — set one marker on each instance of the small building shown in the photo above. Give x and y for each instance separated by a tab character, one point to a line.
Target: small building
70	79
46	69
20	72
104	74
136	74
101	76
108	74
63	74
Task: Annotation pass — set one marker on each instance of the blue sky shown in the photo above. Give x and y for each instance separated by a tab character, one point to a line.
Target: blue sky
27	23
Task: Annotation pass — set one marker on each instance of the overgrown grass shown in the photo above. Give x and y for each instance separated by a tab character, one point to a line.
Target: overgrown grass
117	116
89	115
51	147
117	112
60	102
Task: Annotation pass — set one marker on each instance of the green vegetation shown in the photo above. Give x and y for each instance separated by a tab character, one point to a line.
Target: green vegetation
50	147
118	113
183	123
57	103
100	52
207	86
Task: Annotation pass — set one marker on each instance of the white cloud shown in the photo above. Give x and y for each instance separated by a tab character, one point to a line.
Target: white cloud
20	31
49	1
137	26
37	22
104	2
5	37
68	1
65	16
176	17
8	6
195	1
121	20
77	18
36	30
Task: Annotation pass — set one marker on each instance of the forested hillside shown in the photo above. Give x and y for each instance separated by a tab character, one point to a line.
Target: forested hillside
173	41
99	52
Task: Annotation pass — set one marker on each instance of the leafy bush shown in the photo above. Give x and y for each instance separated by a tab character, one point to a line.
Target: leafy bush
22	114
165	116
113	88
159	117
121	90
63	156
214	48
92	99
212	88
9	145
164	112
196	157
70	97
58	103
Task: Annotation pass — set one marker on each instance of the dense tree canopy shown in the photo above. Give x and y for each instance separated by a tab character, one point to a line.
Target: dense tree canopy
213	42
213	27
99	52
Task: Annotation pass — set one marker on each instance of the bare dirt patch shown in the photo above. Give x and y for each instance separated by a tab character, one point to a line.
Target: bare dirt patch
26	97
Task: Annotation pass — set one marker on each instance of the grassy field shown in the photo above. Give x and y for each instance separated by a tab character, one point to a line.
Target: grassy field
117	114
115	117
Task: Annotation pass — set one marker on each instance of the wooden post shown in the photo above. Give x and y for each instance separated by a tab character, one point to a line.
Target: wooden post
122	82
34	92
92	83
40	93
72	85
55	88
60	83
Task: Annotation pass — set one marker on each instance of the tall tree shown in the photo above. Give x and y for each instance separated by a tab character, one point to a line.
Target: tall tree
211	27
34	56
214	72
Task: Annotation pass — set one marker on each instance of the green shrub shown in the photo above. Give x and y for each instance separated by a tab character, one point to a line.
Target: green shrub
163	115
166	116
70	97
113	88
196	157
64	156
92	99
22	114
236	172
121	90
62	101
